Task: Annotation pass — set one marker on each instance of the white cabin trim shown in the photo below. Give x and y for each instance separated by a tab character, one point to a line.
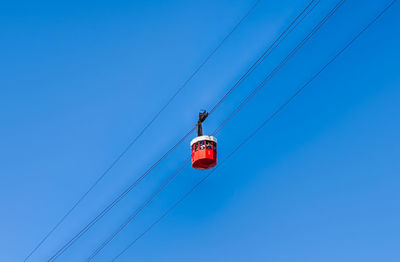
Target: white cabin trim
201	138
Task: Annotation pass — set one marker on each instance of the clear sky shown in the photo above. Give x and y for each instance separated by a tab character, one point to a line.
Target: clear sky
80	79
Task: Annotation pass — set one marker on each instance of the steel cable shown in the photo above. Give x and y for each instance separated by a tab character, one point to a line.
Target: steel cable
112	204
255	131
316	28
283	35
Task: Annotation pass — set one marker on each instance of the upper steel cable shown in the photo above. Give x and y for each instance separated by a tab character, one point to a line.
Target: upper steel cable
254	132
112	204
229	118
127	148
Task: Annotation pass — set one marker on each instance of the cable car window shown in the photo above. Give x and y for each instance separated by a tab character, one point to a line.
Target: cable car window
208	144
196	146
214	145
202	145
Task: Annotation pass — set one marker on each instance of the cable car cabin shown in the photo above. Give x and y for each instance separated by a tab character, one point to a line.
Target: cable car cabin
204	148
204	152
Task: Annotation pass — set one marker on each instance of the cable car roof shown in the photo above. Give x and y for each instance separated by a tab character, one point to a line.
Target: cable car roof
201	138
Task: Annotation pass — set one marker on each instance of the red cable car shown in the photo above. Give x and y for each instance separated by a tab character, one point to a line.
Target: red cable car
204	148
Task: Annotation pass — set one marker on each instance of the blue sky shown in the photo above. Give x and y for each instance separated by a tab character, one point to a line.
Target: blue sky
79	79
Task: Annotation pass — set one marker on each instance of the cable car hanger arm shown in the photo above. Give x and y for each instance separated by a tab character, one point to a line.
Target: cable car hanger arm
202	116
